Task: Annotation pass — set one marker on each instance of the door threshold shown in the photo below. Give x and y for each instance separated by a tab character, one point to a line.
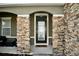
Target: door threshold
41	44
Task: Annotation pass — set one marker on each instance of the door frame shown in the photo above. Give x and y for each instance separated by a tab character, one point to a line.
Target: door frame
40	14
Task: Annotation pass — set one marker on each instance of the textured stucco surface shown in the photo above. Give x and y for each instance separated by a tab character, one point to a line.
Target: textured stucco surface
28	10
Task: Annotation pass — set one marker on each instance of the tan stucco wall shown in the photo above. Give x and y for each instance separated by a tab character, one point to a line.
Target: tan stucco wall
28	10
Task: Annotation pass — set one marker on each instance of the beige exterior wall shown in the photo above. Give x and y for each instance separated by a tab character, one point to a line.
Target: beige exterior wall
28	10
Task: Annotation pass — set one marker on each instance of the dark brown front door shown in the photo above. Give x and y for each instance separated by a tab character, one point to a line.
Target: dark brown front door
41	29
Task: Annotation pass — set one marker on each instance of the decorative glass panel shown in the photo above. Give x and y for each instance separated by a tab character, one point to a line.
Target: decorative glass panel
41	30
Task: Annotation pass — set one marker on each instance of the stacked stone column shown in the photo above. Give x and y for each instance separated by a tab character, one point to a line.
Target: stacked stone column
23	40
71	12
58	35
66	31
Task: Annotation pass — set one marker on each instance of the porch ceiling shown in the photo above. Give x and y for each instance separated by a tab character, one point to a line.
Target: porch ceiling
30	4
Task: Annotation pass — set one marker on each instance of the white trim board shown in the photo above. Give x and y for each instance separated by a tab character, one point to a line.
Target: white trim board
58	14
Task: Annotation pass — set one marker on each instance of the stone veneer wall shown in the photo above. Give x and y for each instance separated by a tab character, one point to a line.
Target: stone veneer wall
23	43
71	13
66	31
58	35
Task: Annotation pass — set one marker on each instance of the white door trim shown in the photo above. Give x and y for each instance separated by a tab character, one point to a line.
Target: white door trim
39	14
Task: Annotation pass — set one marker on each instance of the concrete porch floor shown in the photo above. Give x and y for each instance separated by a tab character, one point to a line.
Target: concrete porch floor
42	51
36	51
11	50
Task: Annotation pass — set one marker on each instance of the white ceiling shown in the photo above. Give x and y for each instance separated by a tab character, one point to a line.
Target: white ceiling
30	4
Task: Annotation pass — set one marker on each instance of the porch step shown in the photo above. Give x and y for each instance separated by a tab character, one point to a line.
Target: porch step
42	51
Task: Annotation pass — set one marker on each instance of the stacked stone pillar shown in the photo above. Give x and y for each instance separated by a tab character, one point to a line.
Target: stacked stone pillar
23	39
66	31
71	13
58	34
